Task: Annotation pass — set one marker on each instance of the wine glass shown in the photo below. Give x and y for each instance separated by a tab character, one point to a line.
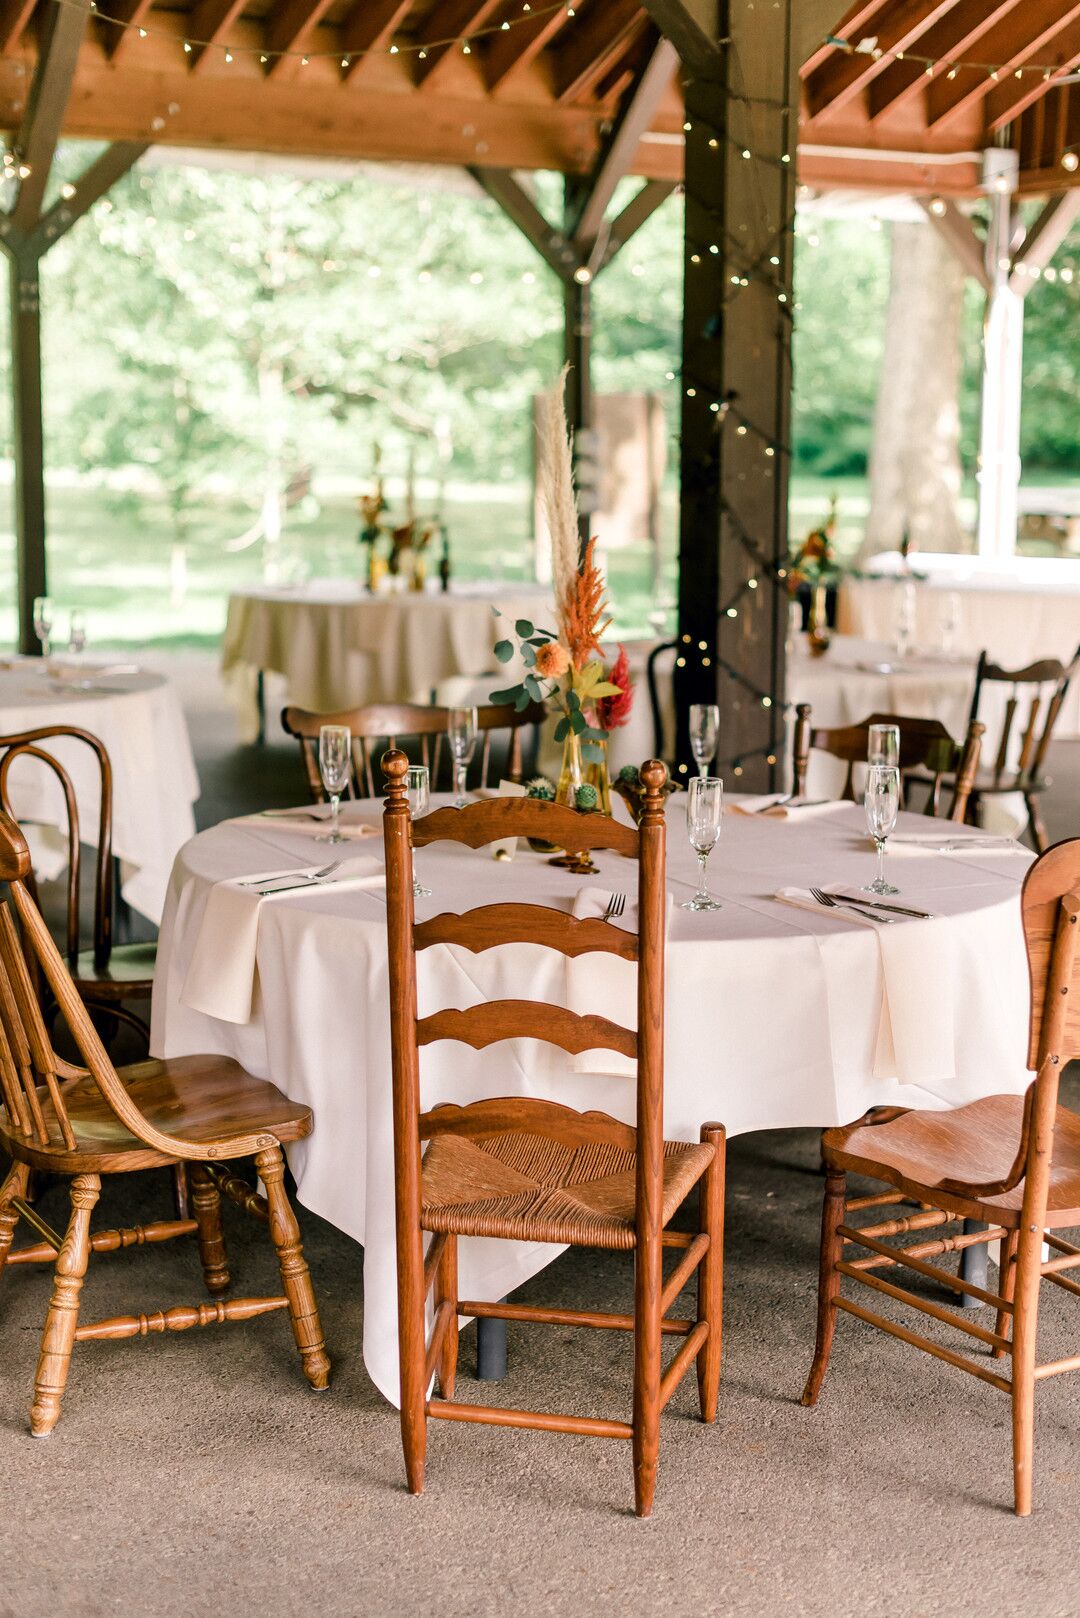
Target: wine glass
461	729
883	745
704	817
43	622
418	787
882	804
704	731
77	631
950	621
335	761
905	617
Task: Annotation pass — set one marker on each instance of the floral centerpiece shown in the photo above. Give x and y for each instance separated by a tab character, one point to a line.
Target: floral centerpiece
565	667
813	569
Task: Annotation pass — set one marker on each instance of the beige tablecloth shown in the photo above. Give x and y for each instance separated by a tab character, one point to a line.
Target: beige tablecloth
774	1014
337	646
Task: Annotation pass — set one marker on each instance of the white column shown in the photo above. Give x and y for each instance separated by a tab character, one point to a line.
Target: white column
1003	352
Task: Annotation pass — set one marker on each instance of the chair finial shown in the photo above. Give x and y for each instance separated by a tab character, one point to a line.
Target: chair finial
654	778
14	854
395	765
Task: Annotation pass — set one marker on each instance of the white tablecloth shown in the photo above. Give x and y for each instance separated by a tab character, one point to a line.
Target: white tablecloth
155	784
337	646
773	1014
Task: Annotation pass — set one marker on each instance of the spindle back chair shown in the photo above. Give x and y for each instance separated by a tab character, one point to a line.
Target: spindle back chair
1011	1161
928	755
1047	682
523	1169
383	725
85	1121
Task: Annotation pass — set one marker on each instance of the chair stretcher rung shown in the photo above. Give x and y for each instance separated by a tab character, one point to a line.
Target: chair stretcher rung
682	1272
538	1420
936	1349
926	1307
562	1317
1055	1367
899	1256
688	1353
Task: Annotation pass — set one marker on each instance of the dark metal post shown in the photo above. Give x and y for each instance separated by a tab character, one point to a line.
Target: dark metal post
29	444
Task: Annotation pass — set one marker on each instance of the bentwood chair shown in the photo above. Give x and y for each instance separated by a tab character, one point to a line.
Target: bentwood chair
83	1122
1047	682
105	974
522	1169
1012	1161
385	725
928	755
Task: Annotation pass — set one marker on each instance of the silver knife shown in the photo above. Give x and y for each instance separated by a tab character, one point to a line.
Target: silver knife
897	910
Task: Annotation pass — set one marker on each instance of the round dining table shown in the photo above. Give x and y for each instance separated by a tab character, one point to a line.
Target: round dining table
138	716
779	1013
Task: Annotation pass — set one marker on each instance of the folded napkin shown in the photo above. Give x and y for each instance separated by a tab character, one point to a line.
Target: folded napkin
604	984
916	1041
221	977
309	822
957	842
81	668
769	806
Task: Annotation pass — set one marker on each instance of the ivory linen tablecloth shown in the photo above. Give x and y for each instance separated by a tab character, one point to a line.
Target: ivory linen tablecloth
337	646
139	718
774	1015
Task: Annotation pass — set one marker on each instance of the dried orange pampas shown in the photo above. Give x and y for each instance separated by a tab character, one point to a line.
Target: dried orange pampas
584	610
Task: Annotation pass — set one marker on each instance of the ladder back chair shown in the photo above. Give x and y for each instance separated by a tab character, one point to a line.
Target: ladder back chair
1012	1161
104	973
83	1122
1048	684
522	1169
928	755
383	725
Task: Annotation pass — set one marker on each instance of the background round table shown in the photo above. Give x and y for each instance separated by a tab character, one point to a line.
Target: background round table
155	785
775	1015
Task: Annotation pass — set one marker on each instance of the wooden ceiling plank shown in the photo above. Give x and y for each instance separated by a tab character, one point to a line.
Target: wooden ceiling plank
957	36
1025	35
596	37
634	117
450	20
846	76
290	29
14	16
210	22
1012	97
857	23
505	54
130	12
370	26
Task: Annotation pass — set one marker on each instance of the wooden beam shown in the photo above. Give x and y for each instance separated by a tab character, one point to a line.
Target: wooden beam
1026	35
634	117
1008	100
50	90
521	210
693	27
14	16
857	22
370	26
113	163
289	30
505	54
955	38
29	441
129	12
1044	238
847	75
962	237
210	23
640	208
449	21
597	34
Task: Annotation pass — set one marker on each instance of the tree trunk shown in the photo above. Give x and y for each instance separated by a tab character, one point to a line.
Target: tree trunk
915	461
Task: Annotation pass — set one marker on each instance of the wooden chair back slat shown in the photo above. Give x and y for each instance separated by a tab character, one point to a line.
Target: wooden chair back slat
1006	735
925	746
497	1020
37	1064
542	1118
1028	742
1051	680
496	818
490	926
27	744
385	725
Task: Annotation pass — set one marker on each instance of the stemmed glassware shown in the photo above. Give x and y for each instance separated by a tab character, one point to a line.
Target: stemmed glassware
335	761
906	604
883	745
43	622
704	732
418	788
704	818
77	631
950	622
882	804
461	729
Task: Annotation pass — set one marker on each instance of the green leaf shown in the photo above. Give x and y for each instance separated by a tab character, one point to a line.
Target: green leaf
592	734
523	701
496	611
504	650
591	753
524	628
532	686
573	701
562	730
577	720
605	689
502	698
528	656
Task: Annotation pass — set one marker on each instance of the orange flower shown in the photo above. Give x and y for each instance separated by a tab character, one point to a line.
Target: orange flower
552	660
583	609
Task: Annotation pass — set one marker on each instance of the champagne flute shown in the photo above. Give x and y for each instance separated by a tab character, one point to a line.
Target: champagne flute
883	745
418	788
906	605
43	622
950	622
704	731
704	817
882	805
461	729
335	761
77	631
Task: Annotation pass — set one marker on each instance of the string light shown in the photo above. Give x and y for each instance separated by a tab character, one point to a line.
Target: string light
930	64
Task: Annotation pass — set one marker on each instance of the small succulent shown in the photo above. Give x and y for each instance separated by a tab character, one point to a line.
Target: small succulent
540	787
629	774
586	798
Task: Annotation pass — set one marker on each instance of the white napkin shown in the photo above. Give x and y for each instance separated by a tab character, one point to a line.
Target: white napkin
905	844
299	820
506	847
605	985
916	1034
767	807
221	977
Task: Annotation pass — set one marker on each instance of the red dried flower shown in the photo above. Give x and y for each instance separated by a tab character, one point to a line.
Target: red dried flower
613	712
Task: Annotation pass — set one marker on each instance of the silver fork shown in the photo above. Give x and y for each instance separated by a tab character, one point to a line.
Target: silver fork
615	907
826	899
285	876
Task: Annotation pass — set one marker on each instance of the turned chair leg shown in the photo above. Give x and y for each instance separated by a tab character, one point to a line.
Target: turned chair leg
1006	1287
181	1191
1027	1277
58	1338
206	1211
14	1186
711	1271
446	1291
295	1275
648	1285
832	1217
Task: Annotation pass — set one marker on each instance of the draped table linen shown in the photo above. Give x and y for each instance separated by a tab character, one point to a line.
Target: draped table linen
776	1017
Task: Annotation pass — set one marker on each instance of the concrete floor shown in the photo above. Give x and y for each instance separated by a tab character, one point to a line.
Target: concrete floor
198	1473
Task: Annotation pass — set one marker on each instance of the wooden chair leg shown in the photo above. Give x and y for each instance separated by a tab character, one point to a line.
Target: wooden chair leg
295	1275
1006	1286
206	1211
711	1271
1025	1322
181	1191
832	1217
58	1338
14	1186
648	1285
446	1290
412	1351
1038	828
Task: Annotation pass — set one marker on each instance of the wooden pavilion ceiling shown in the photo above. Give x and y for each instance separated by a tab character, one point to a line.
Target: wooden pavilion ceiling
540	93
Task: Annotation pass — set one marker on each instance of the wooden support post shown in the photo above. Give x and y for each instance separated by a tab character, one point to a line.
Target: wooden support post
1002	383
28	437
